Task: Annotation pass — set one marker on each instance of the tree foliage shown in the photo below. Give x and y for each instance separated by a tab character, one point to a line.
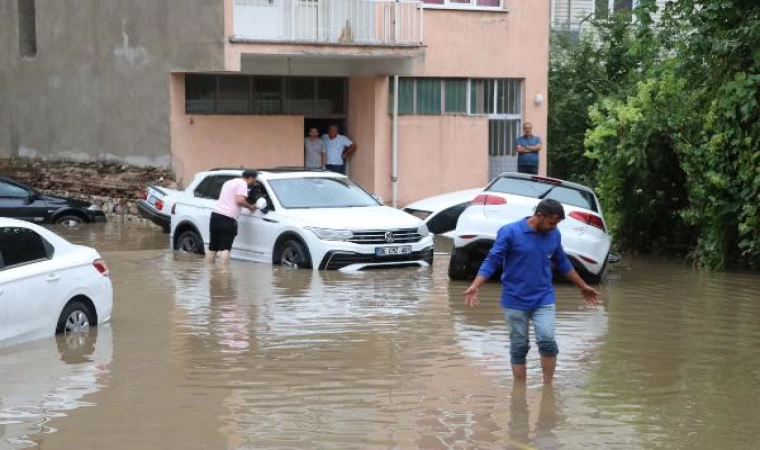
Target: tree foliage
673	146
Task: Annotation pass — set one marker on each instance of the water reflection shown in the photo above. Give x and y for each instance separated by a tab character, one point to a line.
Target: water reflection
48	379
254	356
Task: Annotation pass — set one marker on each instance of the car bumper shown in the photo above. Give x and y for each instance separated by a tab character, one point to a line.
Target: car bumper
150	213
98	217
348	256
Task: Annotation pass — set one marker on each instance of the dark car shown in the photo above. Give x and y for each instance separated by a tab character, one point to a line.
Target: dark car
19	201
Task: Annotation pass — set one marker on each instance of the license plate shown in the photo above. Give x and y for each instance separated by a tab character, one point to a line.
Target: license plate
152	200
395	250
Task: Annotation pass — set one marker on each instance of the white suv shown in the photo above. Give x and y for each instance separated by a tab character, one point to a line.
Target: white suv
314	219
513	196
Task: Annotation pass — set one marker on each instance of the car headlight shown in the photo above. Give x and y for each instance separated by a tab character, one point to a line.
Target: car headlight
423	230
327	234
94	207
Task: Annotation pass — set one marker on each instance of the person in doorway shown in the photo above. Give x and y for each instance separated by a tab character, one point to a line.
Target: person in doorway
524	250
339	149
223	225
528	146
315	149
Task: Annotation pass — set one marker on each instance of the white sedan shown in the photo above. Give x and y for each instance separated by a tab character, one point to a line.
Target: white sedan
513	196
312	219
49	286
440	213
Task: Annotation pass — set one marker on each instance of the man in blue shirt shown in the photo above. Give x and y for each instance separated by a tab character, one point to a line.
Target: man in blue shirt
525	250
528	147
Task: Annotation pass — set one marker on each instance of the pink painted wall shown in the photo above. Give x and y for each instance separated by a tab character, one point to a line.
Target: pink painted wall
438	154
202	142
513	44
362	129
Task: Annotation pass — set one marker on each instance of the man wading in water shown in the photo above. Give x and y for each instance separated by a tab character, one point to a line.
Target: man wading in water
525	250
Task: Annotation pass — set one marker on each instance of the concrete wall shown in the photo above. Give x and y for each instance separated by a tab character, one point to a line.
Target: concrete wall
202	142
99	85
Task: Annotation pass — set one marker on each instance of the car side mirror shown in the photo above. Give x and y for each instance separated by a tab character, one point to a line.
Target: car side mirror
33	195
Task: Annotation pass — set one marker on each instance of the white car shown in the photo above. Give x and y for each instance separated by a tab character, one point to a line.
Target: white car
513	196
48	285
313	219
440	213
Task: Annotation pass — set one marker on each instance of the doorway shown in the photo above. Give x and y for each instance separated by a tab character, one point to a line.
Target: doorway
322	124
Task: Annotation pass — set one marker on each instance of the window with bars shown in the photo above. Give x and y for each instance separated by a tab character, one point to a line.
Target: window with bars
241	94
27	28
441	96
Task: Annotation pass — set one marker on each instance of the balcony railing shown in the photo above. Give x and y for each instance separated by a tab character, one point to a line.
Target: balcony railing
357	22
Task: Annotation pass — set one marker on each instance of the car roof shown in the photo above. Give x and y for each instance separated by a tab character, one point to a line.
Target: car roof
44	232
444	201
541	178
276	173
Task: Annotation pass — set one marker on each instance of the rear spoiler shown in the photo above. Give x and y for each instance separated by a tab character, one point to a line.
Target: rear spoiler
158	189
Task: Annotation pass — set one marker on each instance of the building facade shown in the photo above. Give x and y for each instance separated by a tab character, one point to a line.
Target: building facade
197	84
572	17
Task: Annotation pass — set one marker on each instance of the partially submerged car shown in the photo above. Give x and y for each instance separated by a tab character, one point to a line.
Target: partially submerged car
49	286
514	196
312	219
19	201
441	212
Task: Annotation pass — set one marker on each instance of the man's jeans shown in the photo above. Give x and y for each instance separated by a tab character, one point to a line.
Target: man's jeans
543	323
339	168
531	169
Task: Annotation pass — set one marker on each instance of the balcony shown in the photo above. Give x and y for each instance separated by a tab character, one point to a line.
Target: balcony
379	23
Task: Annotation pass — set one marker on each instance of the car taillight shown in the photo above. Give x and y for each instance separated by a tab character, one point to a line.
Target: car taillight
174	209
101	267
484	199
144	195
159	205
590	219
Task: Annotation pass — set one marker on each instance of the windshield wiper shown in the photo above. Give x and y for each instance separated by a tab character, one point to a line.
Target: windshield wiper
548	191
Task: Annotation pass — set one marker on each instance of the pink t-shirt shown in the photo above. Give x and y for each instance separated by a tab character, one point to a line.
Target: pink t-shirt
227	204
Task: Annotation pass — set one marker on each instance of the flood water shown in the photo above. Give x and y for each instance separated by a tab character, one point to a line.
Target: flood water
259	357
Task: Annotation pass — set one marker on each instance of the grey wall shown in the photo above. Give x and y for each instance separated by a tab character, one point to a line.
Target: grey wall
99	85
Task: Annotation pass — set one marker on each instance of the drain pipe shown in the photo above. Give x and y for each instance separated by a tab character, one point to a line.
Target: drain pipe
394	157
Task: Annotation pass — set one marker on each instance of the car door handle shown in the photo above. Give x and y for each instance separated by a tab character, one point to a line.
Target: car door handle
52	278
269	220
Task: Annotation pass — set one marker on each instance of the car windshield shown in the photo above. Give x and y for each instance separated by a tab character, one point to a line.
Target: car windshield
543	189
320	192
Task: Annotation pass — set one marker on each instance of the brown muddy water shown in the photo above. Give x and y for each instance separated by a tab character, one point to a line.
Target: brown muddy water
256	357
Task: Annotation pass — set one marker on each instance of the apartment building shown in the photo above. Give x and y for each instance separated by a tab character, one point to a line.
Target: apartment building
572	17
196	84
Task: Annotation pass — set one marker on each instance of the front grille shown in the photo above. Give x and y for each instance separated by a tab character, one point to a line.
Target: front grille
338	260
401	236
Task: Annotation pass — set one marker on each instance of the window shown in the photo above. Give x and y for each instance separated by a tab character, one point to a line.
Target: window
496	97
455	93
27	28
234	95
446	220
502	135
601	8
241	94
200	94
211	187
20	246
540	189
320	193
430	96
464	4
8	190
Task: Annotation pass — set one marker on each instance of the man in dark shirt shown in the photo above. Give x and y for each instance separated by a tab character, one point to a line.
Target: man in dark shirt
528	145
525	250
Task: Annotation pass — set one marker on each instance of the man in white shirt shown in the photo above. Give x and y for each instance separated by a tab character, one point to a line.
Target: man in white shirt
339	149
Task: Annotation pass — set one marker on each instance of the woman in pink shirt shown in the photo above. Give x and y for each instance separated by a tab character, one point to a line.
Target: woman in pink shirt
223	224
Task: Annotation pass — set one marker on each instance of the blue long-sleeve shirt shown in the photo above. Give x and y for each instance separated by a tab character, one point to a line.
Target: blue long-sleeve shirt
525	256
